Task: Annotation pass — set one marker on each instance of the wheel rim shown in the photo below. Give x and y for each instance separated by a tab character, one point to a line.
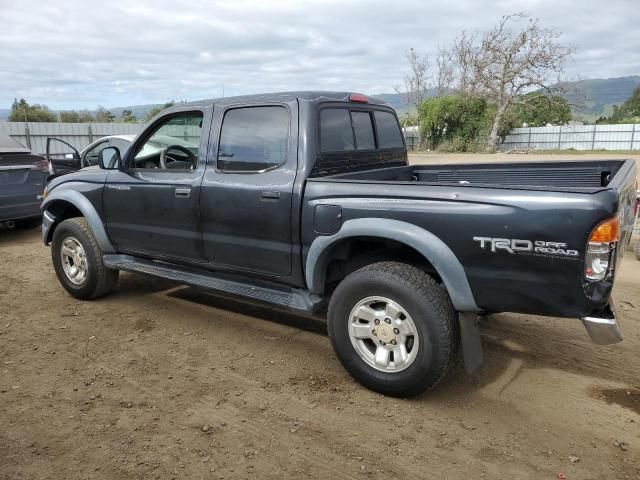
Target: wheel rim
74	260
383	334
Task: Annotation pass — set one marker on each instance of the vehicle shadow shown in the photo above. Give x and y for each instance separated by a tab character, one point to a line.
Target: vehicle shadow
313	324
512	343
22	232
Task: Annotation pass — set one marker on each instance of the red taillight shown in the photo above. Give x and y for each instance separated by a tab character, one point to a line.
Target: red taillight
41	165
358	98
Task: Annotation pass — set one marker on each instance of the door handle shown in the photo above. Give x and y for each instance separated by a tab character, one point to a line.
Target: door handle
270	195
183	192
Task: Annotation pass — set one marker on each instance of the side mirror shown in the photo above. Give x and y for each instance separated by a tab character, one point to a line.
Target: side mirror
109	158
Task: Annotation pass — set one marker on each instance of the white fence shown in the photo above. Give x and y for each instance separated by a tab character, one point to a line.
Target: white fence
34	134
577	137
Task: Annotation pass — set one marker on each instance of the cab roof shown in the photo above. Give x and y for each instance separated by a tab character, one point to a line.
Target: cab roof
309	96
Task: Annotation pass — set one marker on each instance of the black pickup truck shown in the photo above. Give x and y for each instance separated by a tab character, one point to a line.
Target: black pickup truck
305	201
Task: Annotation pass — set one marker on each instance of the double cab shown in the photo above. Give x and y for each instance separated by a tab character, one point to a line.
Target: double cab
306	201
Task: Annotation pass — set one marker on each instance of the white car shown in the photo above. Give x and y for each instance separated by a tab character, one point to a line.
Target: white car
89	155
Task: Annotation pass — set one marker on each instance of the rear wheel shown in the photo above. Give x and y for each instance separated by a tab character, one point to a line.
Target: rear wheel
77	260
393	328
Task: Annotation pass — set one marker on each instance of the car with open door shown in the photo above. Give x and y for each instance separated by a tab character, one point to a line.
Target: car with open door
22	180
64	158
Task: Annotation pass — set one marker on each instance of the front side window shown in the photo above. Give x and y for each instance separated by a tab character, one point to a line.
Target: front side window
389	134
253	139
173	145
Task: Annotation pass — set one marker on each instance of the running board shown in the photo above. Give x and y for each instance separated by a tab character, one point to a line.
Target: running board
289	298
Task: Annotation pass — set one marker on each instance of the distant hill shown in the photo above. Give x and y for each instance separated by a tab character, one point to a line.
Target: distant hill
595	97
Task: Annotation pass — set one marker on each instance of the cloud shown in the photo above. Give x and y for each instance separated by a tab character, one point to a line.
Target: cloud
78	54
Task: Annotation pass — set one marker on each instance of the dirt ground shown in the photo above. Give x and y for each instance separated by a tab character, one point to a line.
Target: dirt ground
162	381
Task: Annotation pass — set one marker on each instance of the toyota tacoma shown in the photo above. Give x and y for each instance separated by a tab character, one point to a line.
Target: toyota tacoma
305	201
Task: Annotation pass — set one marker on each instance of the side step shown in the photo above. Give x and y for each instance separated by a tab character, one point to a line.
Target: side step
289	298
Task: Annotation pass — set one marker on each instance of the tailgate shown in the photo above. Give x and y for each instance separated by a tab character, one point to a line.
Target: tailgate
626	185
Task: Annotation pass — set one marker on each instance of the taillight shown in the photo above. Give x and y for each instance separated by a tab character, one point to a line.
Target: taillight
41	165
601	249
358	98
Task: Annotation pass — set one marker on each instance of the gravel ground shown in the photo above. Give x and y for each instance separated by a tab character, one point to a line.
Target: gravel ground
161	381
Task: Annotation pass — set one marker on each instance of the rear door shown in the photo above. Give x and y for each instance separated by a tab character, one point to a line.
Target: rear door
247	190
151	204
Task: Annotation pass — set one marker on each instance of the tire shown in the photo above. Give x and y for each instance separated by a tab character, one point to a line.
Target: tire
97	280
637	249
432	351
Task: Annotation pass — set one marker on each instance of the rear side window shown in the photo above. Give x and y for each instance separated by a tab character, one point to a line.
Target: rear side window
389	135
335	130
253	139
363	129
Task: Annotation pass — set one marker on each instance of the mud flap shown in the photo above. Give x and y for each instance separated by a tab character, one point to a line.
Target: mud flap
471	343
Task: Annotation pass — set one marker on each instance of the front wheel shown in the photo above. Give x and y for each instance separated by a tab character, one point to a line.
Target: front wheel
393	328
77	260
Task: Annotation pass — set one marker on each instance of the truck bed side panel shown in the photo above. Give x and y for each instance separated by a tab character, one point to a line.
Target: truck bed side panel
469	220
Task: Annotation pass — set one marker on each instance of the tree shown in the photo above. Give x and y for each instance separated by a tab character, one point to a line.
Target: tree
537	110
21	111
76	116
629	111
445	72
457	119
127	116
104	116
154	111
502	65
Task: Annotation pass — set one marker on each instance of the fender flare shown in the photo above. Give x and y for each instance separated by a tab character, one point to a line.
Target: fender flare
431	247
88	211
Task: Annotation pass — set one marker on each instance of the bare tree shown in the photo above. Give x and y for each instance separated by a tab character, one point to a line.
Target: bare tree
502	64
416	84
445	71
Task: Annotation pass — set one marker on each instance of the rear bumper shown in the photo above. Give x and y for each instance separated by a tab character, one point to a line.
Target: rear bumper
603	327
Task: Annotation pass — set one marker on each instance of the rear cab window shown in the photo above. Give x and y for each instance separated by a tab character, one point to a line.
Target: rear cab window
356	137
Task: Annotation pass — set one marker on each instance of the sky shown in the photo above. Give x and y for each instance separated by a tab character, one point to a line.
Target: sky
80	54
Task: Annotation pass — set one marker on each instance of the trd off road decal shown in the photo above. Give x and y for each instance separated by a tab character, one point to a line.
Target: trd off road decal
530	247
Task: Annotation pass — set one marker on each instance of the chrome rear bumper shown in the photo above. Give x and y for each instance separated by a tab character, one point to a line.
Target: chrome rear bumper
603	327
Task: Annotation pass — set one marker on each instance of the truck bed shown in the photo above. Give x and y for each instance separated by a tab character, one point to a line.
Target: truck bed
579	176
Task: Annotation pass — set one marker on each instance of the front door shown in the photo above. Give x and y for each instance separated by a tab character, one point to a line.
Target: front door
151	204
246	194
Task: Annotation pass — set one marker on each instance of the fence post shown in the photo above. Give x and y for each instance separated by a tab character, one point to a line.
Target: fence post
593	138
529	140
27	134
559	137
633	135
90	132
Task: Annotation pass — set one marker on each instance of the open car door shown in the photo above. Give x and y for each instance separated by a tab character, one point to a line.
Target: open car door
62	157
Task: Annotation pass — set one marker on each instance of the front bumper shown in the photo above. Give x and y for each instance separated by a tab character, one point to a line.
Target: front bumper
602	327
